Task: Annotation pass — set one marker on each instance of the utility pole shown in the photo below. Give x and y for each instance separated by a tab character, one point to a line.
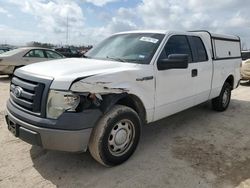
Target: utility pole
67	31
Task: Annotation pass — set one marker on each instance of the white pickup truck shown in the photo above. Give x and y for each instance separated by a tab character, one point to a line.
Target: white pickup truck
100	102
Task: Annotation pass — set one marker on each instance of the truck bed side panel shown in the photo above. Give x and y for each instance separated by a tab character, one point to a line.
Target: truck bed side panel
226	62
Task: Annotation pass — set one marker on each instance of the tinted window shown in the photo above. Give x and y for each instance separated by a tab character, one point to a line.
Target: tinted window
176	45
198	49
53	55
245	55
35	53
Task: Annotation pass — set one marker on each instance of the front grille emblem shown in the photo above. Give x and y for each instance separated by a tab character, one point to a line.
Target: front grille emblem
18	91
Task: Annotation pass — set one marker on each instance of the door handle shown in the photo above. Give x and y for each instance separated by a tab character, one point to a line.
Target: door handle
145	78
194	72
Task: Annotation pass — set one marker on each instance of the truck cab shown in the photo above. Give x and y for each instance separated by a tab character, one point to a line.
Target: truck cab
102	101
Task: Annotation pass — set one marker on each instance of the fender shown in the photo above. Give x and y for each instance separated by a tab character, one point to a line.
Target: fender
110	100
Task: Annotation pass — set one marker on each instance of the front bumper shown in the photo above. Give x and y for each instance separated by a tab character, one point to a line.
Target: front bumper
6	69
53	139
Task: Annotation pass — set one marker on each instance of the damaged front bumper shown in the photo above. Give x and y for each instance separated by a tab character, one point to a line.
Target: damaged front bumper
71	132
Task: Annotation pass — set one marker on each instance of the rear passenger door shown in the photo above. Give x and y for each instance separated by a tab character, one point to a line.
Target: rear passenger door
202	69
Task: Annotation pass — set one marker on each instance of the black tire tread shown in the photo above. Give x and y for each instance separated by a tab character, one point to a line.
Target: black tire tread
97	134
217	102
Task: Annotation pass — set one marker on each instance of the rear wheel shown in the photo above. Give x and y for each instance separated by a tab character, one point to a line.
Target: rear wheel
116	136
221	102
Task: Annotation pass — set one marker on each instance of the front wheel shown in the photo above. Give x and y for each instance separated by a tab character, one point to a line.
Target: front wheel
116	136
221	102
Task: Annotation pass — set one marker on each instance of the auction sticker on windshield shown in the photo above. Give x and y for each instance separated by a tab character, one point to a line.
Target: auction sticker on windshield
149	39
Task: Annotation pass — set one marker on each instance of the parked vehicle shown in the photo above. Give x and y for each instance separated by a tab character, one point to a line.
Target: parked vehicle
69	52
245	68
130	79
11	60
4	49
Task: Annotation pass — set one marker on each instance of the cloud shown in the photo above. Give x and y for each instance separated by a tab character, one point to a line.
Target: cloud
53	15
16	36
4	11
225	16
100	3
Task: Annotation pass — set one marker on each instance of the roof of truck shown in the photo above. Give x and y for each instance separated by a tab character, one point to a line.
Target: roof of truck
145	31
184	32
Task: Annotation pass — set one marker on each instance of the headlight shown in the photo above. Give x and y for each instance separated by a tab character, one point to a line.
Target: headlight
59	102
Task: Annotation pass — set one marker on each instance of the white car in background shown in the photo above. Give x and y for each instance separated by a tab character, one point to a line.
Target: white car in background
11	60
245	69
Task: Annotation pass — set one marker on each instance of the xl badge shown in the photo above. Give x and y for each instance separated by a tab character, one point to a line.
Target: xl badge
18	91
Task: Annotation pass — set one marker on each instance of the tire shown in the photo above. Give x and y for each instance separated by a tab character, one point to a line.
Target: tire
221	102
116	136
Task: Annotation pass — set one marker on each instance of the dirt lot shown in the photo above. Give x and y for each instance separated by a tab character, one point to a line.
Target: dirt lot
195	148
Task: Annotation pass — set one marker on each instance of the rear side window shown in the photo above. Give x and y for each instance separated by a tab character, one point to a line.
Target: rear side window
177	44
198	49
53	55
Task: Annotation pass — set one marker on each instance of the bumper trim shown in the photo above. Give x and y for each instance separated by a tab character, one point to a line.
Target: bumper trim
67	121
52	139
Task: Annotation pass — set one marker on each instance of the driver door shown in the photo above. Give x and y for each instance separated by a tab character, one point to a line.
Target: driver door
175	88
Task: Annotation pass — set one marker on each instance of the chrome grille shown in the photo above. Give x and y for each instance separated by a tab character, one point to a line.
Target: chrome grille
27	94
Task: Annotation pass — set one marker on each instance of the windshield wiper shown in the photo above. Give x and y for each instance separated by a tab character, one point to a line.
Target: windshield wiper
116	59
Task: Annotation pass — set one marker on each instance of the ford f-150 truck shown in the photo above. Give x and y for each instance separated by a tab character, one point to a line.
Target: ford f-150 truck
101	102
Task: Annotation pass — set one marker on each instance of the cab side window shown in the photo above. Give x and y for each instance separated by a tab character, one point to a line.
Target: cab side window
177	44
198	49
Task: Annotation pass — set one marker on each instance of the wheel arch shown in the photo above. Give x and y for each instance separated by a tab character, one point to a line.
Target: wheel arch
230	80
125	99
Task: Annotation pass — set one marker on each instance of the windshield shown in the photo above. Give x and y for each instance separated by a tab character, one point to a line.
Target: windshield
132	47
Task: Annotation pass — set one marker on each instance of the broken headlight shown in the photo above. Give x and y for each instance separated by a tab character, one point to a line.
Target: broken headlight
59	102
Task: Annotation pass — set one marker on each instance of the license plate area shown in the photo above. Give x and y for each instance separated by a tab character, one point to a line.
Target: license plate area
13	128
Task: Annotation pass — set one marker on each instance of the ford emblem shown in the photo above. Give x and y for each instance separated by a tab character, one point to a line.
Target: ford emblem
18	91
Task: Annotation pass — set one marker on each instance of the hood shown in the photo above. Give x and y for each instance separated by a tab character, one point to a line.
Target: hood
65	71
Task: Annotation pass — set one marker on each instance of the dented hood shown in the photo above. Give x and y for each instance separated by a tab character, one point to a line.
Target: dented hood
65	71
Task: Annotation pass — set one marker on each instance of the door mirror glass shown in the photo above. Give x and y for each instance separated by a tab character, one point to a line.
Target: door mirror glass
174	61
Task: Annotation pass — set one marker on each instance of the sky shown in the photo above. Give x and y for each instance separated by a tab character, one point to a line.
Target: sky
90	21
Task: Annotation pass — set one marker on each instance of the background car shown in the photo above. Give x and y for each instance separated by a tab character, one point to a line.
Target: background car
4	49
245	68
69	52
13	59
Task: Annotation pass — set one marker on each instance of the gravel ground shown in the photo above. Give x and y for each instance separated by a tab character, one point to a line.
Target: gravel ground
195	148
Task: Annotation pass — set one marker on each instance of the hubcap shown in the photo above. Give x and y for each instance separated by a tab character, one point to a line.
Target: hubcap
121	137
225	98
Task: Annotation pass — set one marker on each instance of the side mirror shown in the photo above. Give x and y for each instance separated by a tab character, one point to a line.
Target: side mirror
174	61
